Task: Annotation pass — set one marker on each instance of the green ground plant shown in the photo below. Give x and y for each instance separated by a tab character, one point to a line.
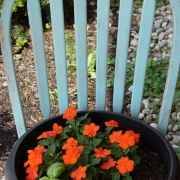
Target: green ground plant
19	37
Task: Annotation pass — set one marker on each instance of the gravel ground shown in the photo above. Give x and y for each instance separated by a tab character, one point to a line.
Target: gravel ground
161	37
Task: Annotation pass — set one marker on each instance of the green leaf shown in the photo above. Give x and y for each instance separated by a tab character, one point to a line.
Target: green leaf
52	149
90	59
86	121
125	152
55	170
100	135
87	149
81	139
83	117
64	136
127	177
88	176
42	142
115	176
69	122
64	176
45	178
96	142
136	159
94	161
66	129
117	152
92	171
83	160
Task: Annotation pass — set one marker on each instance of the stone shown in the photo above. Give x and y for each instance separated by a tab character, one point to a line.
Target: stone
175	146
169	31
4	84
152	45
136	36
128	106
160	21
157	101
164	24
154	116
170	36
171	133
163	43
149	118
172	143
157	25
159	30
177	132
176	139
178	116
141	116
169	137
130	88
18	56
157	12
159	55
146	111
36	95
176	127
170	25
154	125
163	13
134	42
146	103
174	116
92	3
170	127
161	36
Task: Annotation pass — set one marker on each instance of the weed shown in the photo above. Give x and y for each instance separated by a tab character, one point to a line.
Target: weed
92	64
18	36
53	95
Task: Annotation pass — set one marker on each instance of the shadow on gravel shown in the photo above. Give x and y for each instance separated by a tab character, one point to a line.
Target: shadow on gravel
8	137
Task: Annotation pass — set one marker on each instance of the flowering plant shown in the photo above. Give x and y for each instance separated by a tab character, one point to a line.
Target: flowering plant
81	151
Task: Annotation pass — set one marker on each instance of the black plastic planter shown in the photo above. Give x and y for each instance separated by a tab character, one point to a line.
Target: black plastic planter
149	137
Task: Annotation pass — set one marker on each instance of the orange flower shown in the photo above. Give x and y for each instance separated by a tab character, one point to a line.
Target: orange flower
90	130
101	153
115	136
132	133
57	129
34	158
46	134
79	173
71	156
40	148
125	165
80	148
112	123
110	163
32	173
71	142
126	141
70	113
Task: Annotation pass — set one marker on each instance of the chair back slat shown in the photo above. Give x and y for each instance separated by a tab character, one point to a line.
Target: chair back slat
146	25
35	20
80	10
173	70
103	9
124	26
6	48
56	7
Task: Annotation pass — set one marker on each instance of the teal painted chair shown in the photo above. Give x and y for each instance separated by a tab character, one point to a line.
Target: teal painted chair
103	9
